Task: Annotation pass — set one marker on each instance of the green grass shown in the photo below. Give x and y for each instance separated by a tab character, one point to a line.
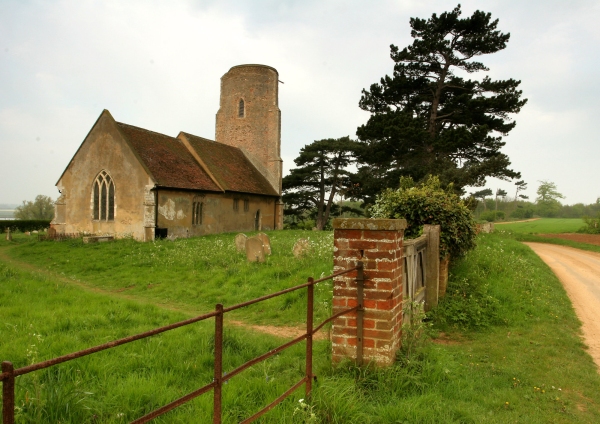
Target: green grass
192	274
543	226
528	232
41	318
515	356
554	240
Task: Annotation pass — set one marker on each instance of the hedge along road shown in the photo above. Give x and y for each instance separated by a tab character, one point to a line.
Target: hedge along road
579	272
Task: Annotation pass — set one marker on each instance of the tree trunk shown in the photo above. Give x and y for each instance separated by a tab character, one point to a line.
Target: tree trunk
320	224
334	183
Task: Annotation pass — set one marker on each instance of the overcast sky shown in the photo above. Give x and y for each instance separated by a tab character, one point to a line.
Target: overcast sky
157	65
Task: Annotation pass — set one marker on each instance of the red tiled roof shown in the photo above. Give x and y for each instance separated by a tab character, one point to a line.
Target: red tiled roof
230	167
168	160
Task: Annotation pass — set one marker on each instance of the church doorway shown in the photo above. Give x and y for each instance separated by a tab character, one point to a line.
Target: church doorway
257	221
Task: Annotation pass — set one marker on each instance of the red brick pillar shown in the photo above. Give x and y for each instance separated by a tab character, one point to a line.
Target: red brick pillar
378	244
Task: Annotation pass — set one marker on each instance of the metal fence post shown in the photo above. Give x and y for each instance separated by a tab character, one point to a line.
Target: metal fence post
359	313
309	334
8	394
218	367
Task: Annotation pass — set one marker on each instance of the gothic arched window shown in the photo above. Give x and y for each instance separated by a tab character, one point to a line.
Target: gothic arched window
104	197
241	109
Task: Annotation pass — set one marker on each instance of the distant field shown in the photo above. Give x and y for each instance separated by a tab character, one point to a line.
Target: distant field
543	226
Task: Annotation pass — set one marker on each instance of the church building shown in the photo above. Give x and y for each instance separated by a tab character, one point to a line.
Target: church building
129	181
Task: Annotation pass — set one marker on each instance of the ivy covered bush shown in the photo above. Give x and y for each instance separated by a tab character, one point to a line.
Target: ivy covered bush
429	203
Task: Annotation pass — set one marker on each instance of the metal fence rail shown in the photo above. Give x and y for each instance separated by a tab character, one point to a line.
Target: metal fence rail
9	374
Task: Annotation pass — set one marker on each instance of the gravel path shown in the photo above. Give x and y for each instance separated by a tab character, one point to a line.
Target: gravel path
579	272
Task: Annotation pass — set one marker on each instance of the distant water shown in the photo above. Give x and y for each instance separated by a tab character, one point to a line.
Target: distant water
6	213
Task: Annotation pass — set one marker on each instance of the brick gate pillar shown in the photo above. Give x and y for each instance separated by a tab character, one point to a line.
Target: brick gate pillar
378	244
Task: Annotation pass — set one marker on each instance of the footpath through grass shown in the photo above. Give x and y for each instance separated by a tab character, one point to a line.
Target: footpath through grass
507	346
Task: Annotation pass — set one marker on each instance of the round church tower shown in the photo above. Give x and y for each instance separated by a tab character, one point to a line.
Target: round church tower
249	117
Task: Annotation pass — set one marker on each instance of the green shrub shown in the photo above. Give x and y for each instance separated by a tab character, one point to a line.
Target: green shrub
522	212
592	225
491	216
429	203
468	304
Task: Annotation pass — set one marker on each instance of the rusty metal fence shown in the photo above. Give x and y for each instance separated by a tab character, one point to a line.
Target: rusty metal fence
9	374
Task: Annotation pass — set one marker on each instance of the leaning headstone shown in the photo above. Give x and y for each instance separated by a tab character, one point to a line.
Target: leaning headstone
266	242
240	242
255	251
301	248
8	234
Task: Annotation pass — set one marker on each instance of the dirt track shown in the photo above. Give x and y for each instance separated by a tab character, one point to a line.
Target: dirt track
579	272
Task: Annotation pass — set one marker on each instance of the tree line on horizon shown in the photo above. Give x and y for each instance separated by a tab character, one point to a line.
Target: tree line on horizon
499	206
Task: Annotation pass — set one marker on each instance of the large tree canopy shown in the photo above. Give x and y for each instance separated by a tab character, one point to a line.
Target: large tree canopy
321	173
426	119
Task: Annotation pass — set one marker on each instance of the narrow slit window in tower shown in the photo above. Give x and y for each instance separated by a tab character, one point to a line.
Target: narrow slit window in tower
241	109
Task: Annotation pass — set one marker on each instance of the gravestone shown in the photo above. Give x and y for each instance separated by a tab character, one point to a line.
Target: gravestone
8	234
266	242
255	251
301	248
240	242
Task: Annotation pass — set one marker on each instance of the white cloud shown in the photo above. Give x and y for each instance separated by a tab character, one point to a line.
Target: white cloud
157	64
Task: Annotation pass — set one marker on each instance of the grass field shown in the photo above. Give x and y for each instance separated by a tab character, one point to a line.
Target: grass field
507	341
528	231
543	226
193	274
556	240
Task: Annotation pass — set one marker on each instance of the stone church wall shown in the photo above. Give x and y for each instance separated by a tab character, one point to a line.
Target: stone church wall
219	212
104	149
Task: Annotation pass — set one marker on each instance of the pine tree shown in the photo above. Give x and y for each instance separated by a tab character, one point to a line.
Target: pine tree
427	119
